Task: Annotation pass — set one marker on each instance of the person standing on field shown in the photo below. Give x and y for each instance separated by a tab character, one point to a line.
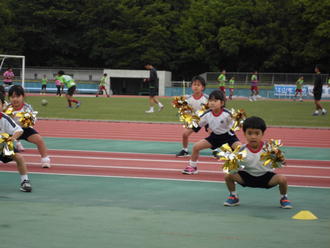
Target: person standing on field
153	89
317	92
102	85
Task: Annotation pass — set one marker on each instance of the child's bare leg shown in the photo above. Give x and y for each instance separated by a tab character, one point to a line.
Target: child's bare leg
38	141
21	167
230	180
191	169
281	181
185	137
200	145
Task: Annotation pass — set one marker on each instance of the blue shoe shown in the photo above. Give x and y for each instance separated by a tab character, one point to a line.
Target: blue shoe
231	201
78	105
285	203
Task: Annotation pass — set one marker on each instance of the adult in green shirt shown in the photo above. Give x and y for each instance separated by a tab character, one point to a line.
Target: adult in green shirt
222	82
102	85
299	85
71	85
231	88
254	86
44	81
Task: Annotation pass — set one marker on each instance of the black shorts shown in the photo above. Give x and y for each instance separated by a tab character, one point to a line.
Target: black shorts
71	90
27	132
7	159
256	182
44	86
317	95
7	83
219	140
153	91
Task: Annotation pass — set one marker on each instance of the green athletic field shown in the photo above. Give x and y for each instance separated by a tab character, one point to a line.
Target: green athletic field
283	113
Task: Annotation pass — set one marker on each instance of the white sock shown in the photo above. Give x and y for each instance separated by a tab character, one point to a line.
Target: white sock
233	193
323	110
284	195
185	149
160	104
151	108
316	112
24	177
193	163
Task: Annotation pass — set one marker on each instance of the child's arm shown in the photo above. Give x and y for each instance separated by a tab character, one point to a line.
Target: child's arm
15	135
10	127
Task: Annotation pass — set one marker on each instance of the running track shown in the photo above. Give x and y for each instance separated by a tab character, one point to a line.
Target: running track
299	172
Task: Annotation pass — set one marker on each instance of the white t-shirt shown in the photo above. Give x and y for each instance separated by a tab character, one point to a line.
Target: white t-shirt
8	125
252	163
197	103
219	124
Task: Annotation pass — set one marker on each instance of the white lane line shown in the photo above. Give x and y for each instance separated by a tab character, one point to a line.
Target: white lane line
159	169
154	178
163	160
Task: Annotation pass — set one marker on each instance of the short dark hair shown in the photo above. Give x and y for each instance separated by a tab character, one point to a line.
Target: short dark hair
60	73
17	90
217	95
2	98
254	122
200	79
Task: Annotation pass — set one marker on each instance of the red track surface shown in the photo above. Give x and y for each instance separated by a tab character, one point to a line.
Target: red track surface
304	137
298	172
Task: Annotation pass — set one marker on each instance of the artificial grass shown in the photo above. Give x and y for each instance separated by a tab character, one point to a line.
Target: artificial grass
280	113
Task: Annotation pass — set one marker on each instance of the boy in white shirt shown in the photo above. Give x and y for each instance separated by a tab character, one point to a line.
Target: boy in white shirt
254	174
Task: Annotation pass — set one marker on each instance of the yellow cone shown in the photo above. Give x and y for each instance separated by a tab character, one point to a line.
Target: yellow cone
304	215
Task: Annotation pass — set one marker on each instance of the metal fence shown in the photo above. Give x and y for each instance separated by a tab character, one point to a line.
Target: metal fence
244	78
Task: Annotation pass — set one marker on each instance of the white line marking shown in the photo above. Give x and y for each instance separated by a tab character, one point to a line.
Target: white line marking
160	169
158	154
148	178
163	160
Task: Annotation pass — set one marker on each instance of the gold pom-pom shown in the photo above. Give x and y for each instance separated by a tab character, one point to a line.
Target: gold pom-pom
187	115
272	154
231	158
6	145
238	117
27	119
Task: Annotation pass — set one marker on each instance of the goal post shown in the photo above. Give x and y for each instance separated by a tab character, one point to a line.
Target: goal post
3	57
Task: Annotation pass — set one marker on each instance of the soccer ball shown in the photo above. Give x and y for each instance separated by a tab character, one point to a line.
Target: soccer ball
44	102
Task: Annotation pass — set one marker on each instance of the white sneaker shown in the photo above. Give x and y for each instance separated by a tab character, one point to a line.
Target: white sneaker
250	99
149	111
20	147
161	108
45	162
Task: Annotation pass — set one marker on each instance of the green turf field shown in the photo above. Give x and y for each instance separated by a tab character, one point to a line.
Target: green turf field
282	113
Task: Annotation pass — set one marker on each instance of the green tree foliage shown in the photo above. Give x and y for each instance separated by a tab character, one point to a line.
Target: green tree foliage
186	37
